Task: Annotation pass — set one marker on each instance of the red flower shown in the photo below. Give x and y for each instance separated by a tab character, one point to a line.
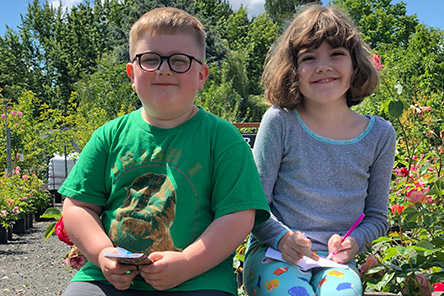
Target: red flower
403	172
397	209
60	230
438	287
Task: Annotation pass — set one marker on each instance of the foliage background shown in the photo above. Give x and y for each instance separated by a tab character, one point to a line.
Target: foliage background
64	72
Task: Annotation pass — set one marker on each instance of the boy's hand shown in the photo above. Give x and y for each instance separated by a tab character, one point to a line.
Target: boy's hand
294	246
168	270
345	252
119	275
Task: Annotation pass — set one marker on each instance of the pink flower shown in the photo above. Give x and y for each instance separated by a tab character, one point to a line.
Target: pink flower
17	155
25	177
376	60
10	201
17	169
397	209
415	196
75	258
3	116
60	230
24	198
438	287
13	113
20	114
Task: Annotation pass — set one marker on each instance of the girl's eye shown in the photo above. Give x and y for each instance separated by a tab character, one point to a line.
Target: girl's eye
306	59
338	53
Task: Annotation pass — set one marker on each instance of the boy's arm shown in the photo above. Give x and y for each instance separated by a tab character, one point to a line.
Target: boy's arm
84	227
217	243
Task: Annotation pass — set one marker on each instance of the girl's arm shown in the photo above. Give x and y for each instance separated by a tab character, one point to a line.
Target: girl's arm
217	243
268	154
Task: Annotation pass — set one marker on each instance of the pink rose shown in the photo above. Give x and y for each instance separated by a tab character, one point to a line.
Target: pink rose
415	196
60	230
376	61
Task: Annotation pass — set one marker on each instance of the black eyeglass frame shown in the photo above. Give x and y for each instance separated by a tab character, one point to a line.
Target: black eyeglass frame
162	58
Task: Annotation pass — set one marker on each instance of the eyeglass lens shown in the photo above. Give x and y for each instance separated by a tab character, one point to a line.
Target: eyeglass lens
152	61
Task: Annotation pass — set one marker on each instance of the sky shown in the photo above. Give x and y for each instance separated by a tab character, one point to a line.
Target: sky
429	12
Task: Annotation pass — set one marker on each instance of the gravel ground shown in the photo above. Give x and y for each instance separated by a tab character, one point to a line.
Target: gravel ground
31	266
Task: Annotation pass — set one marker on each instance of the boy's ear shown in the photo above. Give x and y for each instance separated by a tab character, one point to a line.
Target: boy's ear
203	75
130	73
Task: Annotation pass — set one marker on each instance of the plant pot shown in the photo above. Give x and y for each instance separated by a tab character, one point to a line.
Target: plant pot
39	213
3	235
10	231
30	220
19	226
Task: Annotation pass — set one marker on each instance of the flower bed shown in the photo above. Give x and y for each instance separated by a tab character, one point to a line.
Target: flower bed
21	196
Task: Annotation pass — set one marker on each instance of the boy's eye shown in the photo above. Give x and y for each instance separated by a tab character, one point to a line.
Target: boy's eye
178	60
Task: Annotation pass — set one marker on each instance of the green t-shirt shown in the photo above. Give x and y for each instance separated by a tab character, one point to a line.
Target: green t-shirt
161	188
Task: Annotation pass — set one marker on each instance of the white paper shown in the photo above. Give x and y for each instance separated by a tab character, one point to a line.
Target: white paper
305	263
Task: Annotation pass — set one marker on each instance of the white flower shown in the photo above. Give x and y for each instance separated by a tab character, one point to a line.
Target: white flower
398	88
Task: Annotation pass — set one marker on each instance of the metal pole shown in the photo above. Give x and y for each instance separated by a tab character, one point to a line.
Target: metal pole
8	141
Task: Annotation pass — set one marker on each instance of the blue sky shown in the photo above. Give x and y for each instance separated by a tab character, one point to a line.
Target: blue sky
429	12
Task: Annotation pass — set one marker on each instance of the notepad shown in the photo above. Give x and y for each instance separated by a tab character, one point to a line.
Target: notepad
306	263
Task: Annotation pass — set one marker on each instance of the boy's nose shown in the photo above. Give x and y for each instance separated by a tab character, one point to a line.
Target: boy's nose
164	68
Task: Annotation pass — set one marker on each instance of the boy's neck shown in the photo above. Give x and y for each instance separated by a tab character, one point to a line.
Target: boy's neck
167	123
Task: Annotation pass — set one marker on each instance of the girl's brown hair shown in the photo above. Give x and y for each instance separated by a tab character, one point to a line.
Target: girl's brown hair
167	20
309	29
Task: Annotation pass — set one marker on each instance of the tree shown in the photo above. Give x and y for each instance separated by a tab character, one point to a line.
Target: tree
282	10
380	21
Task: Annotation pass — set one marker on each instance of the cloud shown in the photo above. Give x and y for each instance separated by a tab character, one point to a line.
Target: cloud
255	7
66	4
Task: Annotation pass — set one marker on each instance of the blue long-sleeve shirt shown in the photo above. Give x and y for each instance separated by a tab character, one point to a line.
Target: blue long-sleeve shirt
321	186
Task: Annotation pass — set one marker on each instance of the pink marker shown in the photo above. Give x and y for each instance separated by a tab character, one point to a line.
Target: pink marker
348	233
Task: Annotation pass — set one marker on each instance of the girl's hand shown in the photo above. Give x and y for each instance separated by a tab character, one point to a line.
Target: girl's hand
119	275
294	246
345	252
168	270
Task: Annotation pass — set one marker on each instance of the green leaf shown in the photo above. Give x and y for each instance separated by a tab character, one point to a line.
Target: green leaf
395	108
49	231
52	213
390	253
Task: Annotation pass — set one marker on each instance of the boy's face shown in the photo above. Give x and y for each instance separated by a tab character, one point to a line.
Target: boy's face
167	95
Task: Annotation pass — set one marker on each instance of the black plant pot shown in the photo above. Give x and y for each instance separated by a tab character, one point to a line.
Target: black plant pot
3	235
19	226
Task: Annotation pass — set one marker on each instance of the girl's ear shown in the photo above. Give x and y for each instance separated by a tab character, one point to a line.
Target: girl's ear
130	73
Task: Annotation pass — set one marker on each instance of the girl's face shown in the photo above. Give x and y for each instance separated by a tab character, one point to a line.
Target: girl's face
324	73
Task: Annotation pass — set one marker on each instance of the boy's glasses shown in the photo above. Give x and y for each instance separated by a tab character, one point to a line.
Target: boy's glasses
178	62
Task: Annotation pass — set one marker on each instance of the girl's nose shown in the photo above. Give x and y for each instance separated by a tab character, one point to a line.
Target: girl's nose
323	67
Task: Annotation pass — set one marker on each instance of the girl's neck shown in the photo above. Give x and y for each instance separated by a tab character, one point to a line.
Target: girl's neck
337	122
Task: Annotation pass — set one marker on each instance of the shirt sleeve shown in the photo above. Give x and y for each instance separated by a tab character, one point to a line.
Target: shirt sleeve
268	152
375	223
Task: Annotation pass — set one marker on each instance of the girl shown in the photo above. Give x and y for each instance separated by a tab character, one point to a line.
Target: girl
322	165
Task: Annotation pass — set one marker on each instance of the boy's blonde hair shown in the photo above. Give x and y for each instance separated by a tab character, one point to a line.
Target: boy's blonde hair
309	29
167	20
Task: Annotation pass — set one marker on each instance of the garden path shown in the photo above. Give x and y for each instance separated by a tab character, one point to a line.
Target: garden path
31	266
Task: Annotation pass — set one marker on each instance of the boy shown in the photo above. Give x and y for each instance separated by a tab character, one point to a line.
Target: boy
168	180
